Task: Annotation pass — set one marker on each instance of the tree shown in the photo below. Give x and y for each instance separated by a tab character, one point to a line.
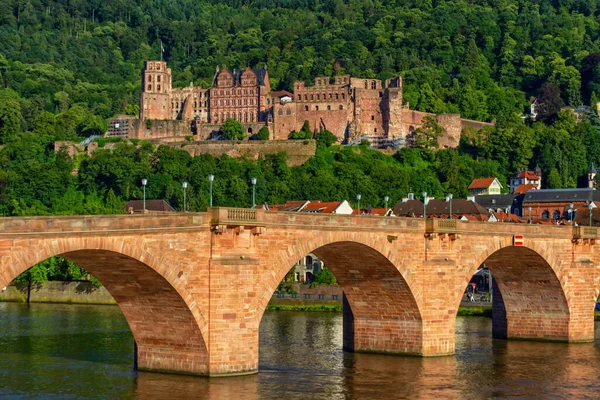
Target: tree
426	136
263	133
325	138
324	278
549	102
232	129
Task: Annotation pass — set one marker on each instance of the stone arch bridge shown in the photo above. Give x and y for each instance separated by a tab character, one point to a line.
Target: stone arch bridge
193	287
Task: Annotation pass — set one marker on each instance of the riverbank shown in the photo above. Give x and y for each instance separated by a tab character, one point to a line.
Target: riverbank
77	292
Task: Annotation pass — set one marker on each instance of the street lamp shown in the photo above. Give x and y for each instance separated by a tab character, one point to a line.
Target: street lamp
253	180
530	221
211	178
450	201
386	199
184	184
144	183
571	213
424	205
358	196
591	206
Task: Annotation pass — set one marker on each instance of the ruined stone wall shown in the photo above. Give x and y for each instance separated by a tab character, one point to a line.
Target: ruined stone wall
298	151
284	120
452	130
368	111
393	113
160	129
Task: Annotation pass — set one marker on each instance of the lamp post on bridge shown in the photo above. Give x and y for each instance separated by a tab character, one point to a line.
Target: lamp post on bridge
530	221
253	180
571	213
144	183
424	205
211	178
185	185
450	201
386	199
358	196
591	206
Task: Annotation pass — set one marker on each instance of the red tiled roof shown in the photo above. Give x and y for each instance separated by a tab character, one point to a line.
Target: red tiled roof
481	183
522	189
280	93
528	175
322	207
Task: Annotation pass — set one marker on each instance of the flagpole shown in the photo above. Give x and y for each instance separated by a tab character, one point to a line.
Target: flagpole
161	50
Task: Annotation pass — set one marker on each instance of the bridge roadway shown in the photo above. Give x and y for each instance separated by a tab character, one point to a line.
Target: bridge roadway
193	287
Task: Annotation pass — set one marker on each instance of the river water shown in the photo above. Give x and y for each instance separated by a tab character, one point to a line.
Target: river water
79	351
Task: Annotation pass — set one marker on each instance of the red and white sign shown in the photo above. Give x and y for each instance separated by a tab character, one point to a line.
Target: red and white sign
518	240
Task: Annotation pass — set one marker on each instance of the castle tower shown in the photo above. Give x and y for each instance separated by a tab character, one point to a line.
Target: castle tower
392	108
155	102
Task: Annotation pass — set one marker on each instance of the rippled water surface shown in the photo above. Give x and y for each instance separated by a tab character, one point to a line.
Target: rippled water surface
72	352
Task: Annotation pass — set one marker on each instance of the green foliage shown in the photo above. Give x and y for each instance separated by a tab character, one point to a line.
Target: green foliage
263	133
426	136
148	124
324	278
325	138
55	269
232	129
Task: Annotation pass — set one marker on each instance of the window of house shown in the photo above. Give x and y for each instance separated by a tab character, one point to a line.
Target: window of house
545	214
373	85
305	108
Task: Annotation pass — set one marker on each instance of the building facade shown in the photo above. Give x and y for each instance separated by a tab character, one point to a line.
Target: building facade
351	108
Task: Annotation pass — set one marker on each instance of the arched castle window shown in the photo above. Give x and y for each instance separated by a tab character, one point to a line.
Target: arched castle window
288	112
328	108
341	107
280	112
318	97
556	214
149	87
317	108
305	108
312	97
337	96
545	214
372	118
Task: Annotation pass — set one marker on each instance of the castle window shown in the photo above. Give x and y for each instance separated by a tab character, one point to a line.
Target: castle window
318	81
221	101
251	102
158	78
226	102
239	102
151	66
317	108
328	108
312	97
233	116
195	104
228	115
280	112
252	91
337	96
305	97
158	87
149	87
245	117
268	101
221	92
375	130
373	85
305	108
341	107
251	116
245	91
343	96
372	118
366	85
245	102
380	94
227	92
329	96
222	117
288	112
216	117
318	97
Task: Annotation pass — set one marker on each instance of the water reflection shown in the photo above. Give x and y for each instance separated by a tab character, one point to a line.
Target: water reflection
61	351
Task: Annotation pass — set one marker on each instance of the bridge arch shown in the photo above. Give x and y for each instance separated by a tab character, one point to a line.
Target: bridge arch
529	296
168	327
381	313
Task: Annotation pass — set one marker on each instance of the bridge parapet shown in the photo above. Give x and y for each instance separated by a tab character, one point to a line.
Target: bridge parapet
238	218
442	227
585	233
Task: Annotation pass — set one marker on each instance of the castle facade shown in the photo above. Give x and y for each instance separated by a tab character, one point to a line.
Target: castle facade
351	108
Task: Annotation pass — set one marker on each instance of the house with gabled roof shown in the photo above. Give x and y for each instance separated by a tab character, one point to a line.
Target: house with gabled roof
485	186
525	180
